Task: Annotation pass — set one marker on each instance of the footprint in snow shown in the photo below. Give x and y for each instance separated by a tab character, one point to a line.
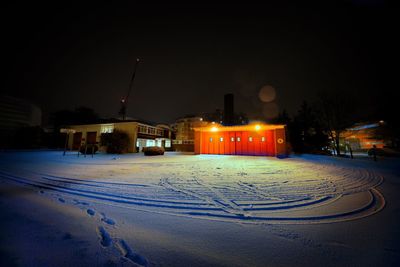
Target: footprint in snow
128	253
105	238
77	202
108	221
90	212
61	200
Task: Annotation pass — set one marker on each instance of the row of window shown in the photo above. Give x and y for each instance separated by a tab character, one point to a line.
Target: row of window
150	130
147	142
141	129
183	142
238	139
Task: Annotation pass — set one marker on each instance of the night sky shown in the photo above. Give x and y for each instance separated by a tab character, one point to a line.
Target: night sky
62	57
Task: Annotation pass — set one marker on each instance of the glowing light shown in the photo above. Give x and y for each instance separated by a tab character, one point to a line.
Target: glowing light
214	129
258	127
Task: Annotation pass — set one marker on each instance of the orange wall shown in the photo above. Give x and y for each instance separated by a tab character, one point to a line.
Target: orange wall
258	143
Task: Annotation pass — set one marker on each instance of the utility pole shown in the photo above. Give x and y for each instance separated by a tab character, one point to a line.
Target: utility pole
124	100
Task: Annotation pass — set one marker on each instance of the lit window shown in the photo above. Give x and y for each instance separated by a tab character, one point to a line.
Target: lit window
250	139
107	128
167	143
221	139
238	139
142	129
150	142
210	139
263	139
232	139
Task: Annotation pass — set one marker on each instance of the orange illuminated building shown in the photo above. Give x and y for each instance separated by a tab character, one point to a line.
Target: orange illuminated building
253	139
363	136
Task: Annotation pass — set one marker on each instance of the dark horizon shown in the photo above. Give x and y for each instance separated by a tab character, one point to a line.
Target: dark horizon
193	55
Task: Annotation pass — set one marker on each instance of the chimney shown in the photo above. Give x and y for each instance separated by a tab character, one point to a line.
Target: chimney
228	110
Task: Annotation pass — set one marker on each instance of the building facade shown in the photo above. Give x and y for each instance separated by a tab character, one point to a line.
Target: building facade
363	136
184	133
140	135
16	113
253	139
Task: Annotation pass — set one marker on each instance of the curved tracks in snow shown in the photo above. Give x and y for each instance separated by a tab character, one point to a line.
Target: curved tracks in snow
241	189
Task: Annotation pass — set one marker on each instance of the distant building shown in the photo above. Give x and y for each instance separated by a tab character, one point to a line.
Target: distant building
16	113
184	127
140	134
362	136
184	133
226	117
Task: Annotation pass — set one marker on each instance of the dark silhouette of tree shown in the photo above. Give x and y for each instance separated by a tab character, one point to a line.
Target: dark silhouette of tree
306	134
282	118
81	115
84	115
337	112
63	118
117	142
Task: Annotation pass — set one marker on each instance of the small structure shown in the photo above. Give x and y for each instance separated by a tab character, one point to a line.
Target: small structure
252	139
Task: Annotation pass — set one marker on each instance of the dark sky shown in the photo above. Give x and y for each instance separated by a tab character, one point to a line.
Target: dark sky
68	56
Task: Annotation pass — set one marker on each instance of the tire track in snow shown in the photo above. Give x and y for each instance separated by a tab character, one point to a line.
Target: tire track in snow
226	198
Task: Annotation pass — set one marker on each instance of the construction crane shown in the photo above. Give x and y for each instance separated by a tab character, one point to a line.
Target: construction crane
124	100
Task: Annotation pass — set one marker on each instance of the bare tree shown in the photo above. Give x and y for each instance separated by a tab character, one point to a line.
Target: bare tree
336	114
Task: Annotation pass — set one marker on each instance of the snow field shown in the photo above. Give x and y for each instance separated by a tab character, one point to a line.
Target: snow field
230	188
187	210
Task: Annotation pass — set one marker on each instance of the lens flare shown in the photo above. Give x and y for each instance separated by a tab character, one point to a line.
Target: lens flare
267	93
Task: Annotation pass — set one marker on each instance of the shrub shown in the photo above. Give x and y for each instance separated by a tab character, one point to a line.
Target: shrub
89	149
117	142
153	151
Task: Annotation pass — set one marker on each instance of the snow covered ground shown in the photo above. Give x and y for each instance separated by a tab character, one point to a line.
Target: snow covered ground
197	210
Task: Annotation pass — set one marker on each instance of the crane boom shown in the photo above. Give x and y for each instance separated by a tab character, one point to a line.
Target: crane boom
124	100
